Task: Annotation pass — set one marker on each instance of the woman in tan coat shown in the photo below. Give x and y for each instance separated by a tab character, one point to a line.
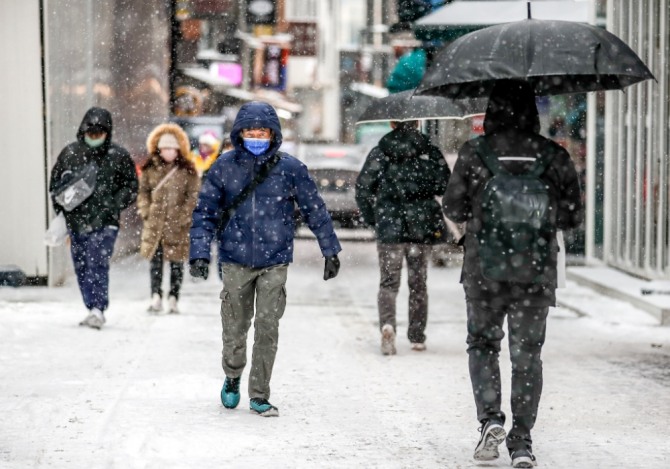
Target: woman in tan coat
168	193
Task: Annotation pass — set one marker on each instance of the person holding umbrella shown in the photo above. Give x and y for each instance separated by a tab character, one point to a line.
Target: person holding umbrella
395	192
498	283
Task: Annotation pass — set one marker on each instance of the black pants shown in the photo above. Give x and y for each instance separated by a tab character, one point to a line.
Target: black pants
526	328
176	274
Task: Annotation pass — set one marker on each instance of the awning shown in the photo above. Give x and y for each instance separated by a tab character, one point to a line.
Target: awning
273	98
461	17
370	90
285	108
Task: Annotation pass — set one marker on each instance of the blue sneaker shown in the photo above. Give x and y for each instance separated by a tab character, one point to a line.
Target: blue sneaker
263	408
230	393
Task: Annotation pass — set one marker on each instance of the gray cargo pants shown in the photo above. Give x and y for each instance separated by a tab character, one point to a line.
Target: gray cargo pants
526	327
241	286
391	257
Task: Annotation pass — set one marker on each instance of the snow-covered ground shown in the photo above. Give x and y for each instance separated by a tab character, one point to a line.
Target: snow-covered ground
144	391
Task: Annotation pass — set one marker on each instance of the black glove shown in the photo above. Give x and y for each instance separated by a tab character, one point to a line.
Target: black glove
200	268
332	267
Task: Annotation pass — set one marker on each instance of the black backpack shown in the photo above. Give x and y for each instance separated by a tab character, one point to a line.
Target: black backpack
518	221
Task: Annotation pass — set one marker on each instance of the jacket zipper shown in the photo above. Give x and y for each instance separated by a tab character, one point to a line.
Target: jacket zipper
253	218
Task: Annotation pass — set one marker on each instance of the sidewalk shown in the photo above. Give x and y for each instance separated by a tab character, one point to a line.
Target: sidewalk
144	391
618	285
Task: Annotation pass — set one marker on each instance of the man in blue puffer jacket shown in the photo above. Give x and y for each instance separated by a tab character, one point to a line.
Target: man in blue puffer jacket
256	244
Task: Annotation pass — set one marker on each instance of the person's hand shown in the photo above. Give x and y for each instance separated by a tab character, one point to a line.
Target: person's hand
200	268
332	267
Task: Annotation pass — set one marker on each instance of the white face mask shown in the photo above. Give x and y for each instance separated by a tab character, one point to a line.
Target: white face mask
169	154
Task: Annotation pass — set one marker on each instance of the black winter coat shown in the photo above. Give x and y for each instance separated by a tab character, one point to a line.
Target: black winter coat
508	134
116	181
397	186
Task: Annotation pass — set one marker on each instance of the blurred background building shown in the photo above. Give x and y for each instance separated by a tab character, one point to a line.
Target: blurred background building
320	63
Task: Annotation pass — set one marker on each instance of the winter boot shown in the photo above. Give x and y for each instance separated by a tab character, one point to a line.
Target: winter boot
263	408
230	393
523	458
156	305
388	340
492	434
172	305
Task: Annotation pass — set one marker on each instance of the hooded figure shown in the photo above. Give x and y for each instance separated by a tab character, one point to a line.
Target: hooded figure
116	181
511	130
168	192
256	244
94	223
396	193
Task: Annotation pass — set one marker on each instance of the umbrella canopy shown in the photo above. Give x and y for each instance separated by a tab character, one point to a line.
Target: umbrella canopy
458	18
405	106
556	57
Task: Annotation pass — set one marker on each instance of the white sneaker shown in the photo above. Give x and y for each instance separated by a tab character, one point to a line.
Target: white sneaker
156	305
418	346
95	319
172	305
388	340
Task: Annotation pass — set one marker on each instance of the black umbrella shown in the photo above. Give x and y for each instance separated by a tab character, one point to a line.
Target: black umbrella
405	106
556	57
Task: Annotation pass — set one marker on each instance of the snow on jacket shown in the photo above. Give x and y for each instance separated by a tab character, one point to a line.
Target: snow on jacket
167	210
396	189
116	180
511	125
260	232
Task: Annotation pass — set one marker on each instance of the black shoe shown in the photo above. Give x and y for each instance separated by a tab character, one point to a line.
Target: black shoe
492	434
523	458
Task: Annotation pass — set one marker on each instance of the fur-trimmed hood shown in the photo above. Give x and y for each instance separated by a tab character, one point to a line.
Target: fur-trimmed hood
174	129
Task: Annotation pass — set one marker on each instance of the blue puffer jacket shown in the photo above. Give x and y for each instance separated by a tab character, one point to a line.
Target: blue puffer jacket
260	232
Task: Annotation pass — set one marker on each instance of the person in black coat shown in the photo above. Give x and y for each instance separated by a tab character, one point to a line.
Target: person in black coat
396	193
93	224
511	129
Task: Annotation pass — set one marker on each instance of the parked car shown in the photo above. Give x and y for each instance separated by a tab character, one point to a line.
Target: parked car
335	168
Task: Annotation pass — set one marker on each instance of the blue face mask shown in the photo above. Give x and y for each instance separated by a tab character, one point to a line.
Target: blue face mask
257	146
94	142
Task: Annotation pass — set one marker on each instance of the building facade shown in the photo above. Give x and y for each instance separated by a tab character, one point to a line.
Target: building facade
636	175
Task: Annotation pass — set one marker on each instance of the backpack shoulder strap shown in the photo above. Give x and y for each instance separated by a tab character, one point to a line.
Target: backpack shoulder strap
542	161
488	157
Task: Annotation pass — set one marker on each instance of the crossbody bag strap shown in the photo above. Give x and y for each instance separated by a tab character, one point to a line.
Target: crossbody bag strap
263	173
165	179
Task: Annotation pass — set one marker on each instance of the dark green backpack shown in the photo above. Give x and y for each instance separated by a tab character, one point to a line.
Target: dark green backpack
518	221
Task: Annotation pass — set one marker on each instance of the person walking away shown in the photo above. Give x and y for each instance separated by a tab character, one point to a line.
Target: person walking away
92	181
513	188
207	152
168	193
395	192
247	199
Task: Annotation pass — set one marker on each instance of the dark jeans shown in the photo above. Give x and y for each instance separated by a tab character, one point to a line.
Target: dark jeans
91	253
156	272
391	257
526	329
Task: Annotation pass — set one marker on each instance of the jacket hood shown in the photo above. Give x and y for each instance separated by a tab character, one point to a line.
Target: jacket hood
96	117
512	107
402	143
256	115
174	129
